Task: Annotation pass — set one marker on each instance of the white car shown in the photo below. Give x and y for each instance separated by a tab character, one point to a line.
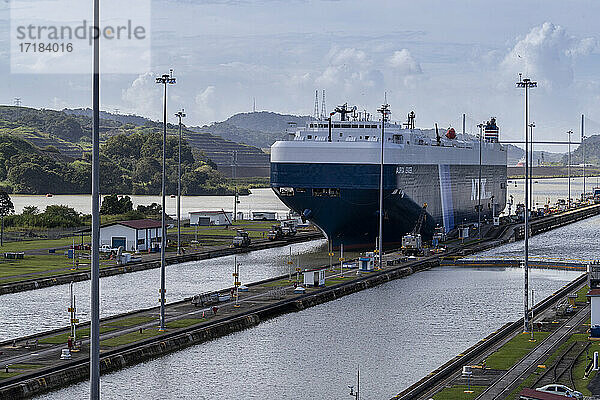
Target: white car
563	390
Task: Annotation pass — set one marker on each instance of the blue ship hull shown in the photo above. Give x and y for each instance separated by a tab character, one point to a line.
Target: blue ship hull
343	199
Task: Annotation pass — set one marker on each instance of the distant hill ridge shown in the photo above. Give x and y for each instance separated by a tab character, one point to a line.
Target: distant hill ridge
260	129
69	132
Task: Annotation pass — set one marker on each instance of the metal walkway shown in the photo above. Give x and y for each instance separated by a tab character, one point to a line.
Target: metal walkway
511	379
550	263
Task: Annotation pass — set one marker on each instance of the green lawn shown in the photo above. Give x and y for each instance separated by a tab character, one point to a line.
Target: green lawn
131	321
131	337
184	322
39	244
458	393
335	281
4	375
514	350
81	333
581	294
33	264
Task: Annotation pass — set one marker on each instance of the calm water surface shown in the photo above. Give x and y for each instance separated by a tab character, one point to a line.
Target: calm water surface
397	332
258	200
39	310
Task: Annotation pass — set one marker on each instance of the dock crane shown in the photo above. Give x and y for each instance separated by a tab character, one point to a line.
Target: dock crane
412	244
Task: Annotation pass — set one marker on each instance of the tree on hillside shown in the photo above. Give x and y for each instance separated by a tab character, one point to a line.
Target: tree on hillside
6	208
112	205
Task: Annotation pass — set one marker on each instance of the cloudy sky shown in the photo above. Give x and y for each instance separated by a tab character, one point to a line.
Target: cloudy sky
439	58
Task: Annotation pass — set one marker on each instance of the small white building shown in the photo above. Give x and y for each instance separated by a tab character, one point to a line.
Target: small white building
594	296
314	277
206	218
134	235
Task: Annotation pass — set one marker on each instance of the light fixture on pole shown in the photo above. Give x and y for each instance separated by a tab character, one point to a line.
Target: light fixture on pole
180	115
480	126
165	80
526	84
385	113
234	175
569	132
95	250
583	137
531	202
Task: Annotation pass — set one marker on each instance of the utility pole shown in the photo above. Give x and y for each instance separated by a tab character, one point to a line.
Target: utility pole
385	113
526	84
180	115
95	256
480	126
234	173
531	126
569	132
583	149
165	80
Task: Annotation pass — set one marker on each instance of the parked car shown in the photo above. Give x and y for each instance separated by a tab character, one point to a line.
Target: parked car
563	390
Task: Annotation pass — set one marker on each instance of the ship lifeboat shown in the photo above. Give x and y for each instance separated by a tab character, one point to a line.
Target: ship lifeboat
451	134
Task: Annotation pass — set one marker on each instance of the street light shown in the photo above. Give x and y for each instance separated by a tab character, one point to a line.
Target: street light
480	126
583	137
569	132
526	84
165	80
180	115
95	256
531	126
385	113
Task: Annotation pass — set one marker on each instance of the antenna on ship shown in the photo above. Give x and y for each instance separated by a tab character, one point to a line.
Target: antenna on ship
316	104
323	108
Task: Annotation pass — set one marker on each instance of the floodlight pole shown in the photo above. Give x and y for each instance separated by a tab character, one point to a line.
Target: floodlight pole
569	132
583	149
180	115
95	256
165	80
526	84
480	126
531	202
385	113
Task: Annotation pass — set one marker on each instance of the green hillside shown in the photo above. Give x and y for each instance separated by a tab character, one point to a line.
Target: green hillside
46	151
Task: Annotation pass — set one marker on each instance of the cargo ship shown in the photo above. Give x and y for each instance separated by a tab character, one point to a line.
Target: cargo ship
329	172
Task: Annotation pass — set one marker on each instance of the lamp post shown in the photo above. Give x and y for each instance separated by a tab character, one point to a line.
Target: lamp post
234	175
583	149
531	202
180	115
526	84
165	80
95	251
480	126
569	132
385	113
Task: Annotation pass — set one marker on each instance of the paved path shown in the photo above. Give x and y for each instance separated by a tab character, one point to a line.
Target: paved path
511	379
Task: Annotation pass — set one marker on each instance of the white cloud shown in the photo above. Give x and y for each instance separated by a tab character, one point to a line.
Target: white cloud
205	109
144	96
546	54
404	63
350	71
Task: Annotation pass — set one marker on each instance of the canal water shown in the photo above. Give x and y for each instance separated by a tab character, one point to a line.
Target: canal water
397	332
258	200
265	200
35	311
